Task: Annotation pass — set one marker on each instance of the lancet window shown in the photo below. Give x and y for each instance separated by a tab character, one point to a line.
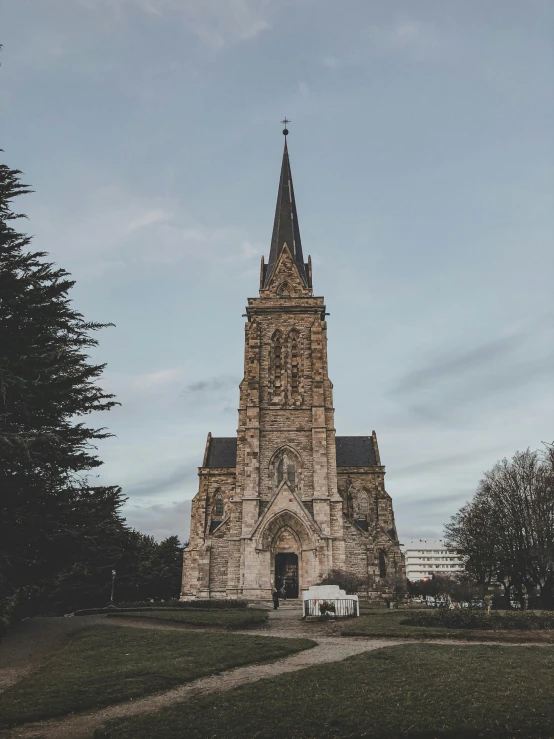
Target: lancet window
286	470
382	565
277	360
218	507
363	504
294	358
286	465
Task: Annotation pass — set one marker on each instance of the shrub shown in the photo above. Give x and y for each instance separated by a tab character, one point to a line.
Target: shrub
164	605
350	582
466	618
204	604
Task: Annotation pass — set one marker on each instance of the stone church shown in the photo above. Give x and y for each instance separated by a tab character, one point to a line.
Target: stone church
286	501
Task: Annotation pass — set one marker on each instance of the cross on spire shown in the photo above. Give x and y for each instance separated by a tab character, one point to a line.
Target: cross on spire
284	122
285	226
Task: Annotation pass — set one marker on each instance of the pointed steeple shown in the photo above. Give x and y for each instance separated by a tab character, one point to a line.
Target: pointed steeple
285	227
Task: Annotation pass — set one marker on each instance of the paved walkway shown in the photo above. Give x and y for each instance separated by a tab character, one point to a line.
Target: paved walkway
34	642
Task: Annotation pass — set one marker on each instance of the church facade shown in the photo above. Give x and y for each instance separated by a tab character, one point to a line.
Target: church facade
287	501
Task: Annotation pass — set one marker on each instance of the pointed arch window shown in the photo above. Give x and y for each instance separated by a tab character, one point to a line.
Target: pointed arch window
218	507
277	360
382	565
363	504
294	358
286	466
286	470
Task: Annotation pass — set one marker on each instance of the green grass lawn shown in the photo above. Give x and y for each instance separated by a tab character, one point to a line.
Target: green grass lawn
415	690
388	624
109	664
231	619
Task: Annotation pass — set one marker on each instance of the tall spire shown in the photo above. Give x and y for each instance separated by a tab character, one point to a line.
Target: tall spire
285	227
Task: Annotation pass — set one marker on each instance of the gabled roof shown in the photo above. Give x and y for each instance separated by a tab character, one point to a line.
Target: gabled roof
222	452
355	451
352	451
285	226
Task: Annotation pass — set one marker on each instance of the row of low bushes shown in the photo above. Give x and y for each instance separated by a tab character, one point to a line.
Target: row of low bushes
164	605
233	618
466	618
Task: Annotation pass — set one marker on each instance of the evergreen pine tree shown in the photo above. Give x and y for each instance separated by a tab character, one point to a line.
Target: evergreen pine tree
169	568
51	520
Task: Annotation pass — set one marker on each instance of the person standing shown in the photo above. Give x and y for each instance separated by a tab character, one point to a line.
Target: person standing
275	599
283	592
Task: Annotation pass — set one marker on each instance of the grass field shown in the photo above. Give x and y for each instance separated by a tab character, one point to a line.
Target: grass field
109	664
416	690
388	624
231	619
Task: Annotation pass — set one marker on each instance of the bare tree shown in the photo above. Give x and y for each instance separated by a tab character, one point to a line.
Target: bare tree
348	581
507	530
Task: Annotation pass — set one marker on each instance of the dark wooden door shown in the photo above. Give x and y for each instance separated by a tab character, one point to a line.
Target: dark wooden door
286	573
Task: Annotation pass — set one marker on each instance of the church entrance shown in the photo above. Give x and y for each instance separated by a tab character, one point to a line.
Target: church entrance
286	573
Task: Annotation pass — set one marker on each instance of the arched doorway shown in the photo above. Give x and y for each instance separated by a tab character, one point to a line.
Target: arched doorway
286	573
290	552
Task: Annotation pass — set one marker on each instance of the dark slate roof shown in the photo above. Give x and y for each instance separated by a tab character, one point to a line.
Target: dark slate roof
222	452
355	451
352	451
285	226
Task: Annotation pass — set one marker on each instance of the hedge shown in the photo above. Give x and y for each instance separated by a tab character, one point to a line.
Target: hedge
467	618
167	605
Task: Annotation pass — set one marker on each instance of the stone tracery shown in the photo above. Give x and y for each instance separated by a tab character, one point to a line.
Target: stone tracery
279	522
286	465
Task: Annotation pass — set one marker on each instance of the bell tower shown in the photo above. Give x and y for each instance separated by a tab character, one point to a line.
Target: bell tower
286	415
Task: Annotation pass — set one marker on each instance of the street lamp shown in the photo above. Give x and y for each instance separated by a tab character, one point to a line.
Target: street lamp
113	584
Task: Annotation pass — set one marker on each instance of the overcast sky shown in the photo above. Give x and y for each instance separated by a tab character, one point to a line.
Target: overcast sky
422	151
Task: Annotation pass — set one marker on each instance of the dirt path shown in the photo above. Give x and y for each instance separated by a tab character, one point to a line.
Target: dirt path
35	641
39	640
82	726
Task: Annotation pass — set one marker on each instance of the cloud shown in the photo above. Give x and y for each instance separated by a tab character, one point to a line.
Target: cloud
162	483
213	383
246	252
418	40
154	380
446	462
135	232
455	364
161	520
216	23
455	381
155	215
435	501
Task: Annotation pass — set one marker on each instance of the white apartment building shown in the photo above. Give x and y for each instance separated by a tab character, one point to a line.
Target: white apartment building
424	557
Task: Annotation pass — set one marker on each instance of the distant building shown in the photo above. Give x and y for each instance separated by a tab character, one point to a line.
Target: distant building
425	557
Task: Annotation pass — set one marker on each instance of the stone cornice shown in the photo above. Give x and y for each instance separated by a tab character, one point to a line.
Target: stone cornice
369	470
287	302
285	310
